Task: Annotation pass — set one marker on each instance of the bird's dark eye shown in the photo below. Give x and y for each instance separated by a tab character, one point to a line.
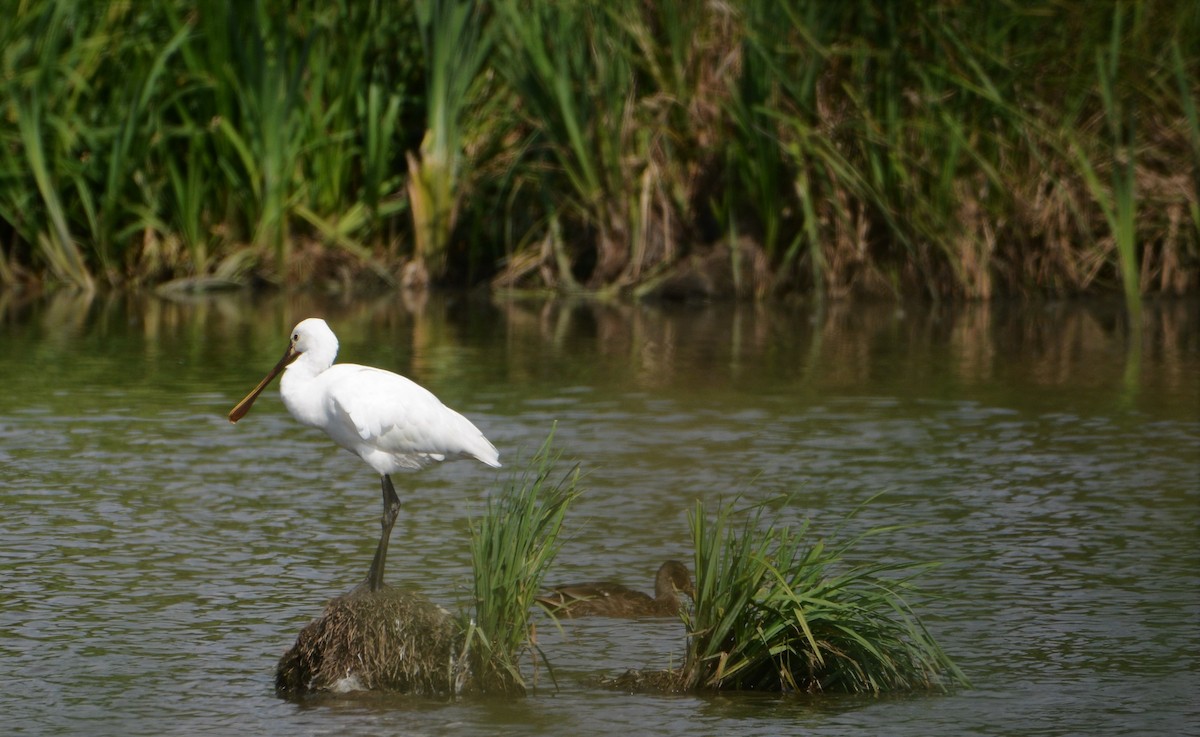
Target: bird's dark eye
295	337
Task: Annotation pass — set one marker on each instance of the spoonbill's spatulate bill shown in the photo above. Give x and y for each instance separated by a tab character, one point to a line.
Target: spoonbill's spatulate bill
389	421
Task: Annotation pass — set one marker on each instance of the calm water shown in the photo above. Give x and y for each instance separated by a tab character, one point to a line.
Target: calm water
156	561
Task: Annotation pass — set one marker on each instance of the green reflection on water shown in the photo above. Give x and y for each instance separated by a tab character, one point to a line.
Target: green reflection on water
65	353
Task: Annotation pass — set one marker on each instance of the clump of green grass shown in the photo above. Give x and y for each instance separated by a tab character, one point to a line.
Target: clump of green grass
777	611
512	547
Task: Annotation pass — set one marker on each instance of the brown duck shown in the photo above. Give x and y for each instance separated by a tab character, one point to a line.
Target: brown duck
614	600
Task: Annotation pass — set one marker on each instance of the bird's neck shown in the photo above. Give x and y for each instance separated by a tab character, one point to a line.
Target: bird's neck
298	391
306	368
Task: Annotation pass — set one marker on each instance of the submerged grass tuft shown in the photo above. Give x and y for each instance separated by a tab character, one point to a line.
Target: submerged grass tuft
777	611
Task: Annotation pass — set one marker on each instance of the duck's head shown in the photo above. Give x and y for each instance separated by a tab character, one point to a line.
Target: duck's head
673	578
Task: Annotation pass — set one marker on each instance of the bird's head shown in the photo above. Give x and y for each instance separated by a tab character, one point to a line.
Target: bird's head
312	338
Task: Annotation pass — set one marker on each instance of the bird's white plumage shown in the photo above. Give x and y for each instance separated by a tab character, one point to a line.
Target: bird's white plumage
389	421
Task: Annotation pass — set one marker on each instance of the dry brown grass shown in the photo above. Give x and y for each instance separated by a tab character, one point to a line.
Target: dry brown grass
387	640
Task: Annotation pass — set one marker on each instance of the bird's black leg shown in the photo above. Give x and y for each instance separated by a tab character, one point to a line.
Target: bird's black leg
391	509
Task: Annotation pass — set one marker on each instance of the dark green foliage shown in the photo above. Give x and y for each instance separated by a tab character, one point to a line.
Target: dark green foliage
944	148
163	139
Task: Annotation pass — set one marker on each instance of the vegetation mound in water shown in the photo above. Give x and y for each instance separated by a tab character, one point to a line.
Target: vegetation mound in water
776	610
386	640
400	642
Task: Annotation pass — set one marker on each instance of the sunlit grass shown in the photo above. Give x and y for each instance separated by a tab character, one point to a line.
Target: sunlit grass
777	610
512	548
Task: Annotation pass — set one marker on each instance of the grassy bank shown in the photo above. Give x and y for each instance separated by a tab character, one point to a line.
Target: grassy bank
938	148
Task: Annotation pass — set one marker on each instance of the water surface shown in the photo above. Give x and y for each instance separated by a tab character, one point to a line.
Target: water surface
156	561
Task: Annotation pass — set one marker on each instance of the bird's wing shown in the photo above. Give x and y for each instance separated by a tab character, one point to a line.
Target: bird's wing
393	414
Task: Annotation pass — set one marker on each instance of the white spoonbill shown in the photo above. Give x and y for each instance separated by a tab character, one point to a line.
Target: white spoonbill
389	421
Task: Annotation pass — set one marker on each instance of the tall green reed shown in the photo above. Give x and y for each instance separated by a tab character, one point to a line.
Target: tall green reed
1186	83
512	547
190	193
40	53
1121	210
754	150
380	116
456	41
266	129
568	65
58	246
950	149
125	195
